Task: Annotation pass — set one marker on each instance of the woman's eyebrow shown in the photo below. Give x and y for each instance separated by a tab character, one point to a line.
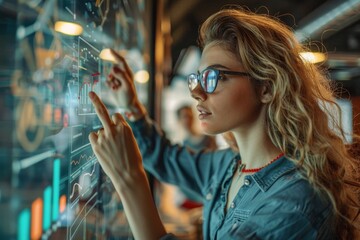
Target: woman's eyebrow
216	66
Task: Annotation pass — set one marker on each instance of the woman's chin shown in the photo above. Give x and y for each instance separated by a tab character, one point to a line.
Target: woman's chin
207	129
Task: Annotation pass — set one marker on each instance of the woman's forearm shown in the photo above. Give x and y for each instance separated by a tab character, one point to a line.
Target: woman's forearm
140	209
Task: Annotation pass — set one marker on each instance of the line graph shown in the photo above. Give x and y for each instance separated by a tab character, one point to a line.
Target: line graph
82	183
82	157
73	189
57	188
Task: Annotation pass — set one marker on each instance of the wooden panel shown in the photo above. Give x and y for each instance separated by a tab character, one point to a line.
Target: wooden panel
356	113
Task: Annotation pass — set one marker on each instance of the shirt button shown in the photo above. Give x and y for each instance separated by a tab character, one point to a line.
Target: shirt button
232	205
247	182
234	226
208	196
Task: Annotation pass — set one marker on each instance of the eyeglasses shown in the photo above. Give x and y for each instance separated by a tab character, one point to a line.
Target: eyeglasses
209	78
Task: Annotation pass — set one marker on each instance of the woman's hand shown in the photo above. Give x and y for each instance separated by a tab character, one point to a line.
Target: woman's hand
119	156
115	146
121	81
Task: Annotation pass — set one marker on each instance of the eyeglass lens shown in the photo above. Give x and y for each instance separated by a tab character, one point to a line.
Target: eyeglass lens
208	80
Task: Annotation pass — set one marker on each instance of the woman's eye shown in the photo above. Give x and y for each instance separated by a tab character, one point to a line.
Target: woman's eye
222	77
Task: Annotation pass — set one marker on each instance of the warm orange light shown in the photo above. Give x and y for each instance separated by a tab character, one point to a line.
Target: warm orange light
36	218
48	111
141	76
68	28
106	55
313	57
62	203
57	115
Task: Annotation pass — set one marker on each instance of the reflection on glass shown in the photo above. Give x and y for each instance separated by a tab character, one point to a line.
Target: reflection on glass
54	187
24	222
68	28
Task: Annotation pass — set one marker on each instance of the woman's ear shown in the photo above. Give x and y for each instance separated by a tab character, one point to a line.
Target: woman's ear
265	92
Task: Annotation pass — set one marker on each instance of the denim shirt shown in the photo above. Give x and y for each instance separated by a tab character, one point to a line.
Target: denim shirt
275	203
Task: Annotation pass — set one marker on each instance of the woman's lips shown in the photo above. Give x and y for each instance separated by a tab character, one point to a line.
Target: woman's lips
203	116
203	112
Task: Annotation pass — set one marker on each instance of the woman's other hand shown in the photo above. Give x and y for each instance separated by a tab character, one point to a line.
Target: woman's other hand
121	82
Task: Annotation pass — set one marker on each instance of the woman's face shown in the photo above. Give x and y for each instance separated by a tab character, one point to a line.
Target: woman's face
234	104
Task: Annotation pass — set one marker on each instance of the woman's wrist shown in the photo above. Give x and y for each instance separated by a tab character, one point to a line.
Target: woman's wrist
125	182
139	206
135	112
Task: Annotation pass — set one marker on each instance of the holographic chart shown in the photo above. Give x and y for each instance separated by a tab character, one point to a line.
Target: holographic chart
54	187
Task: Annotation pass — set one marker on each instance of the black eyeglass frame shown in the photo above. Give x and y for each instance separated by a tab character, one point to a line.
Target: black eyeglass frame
219	74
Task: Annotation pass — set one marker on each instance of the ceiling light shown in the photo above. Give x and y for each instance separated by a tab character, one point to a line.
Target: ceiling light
313	57
106	55
141	76
68	28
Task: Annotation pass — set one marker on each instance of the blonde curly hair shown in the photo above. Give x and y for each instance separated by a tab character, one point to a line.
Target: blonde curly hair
300	112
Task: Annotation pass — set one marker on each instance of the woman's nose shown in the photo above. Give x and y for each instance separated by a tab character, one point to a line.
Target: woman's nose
198	93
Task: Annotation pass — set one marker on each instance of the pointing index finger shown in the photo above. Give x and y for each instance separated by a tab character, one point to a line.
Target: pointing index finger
101	111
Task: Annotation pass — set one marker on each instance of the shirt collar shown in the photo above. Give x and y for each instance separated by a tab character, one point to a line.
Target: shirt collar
268	175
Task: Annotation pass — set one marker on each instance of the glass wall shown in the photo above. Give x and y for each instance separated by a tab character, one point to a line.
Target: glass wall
53	53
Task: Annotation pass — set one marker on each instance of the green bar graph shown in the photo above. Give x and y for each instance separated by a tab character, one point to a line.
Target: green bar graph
24	225
56	190
47	208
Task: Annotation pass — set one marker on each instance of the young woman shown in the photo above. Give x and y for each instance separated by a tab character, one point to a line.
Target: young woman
287	179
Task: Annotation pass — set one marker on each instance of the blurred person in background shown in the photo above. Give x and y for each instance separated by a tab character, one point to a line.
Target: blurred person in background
193	139
288	176
195	142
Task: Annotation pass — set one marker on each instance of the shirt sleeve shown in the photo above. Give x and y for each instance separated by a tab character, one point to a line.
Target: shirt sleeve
173	163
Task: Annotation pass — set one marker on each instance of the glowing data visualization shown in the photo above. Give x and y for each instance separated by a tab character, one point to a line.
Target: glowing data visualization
51	184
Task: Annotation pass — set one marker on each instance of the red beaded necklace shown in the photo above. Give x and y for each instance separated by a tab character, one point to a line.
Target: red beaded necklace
253	170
